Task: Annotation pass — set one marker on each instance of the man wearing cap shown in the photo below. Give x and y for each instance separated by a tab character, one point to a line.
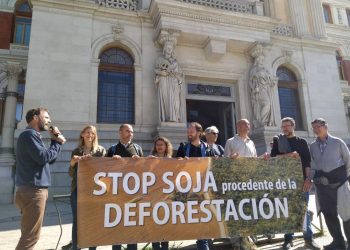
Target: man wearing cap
211	135
332	169
241	146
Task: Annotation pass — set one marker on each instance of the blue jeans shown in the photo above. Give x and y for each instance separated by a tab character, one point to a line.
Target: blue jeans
74	205
308	233
202	245
160	245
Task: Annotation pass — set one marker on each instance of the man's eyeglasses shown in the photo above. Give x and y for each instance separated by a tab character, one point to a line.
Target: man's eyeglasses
316	127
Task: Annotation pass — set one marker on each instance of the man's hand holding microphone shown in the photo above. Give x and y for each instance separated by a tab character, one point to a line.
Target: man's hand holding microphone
56	135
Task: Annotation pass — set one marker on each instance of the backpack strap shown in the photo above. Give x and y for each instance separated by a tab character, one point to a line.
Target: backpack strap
138	149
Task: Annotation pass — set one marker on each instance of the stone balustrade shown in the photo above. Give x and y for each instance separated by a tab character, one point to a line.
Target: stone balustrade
119	4
252	7
249	7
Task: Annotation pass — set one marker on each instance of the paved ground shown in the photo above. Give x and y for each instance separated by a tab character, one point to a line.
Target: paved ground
10	232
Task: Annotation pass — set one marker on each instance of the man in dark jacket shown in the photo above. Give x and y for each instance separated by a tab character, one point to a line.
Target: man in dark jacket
125	148
288	144
195	148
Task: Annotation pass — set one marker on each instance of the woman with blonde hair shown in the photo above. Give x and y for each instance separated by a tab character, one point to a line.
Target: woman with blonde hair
87	147
162	147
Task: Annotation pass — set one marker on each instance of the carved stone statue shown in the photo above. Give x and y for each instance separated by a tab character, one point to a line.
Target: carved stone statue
169	80
261	85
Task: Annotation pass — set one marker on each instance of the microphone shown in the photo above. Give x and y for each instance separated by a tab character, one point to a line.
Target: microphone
52	130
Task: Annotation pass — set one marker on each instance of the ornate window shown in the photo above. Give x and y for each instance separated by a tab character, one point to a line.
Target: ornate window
115	101
327	13
23	23
289	96
340	66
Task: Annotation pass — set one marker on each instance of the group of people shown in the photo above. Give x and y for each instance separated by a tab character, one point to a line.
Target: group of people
329	154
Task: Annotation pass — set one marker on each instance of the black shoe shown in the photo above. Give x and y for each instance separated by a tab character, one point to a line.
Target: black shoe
335	246
311	244
67	247
287	244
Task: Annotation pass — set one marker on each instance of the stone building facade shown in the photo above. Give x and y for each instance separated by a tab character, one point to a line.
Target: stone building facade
102	62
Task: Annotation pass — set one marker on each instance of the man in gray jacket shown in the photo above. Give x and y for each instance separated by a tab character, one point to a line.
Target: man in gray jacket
332	169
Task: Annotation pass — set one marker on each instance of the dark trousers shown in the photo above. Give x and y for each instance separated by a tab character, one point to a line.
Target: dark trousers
130	247
160	245
202	245
74	203
333	225
327	198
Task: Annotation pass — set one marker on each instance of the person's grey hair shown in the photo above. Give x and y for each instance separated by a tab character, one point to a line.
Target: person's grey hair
211	129
320	121
289	119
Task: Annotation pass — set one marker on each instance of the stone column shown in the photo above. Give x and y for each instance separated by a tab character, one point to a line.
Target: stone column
299	18
317	20
13	70
259	8
7	160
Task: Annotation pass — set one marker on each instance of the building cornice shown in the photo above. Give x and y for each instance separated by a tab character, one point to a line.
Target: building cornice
198	13
338	3
317	45
87	7
338	31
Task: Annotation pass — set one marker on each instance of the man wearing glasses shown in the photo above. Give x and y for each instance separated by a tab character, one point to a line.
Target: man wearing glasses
287	144
332	169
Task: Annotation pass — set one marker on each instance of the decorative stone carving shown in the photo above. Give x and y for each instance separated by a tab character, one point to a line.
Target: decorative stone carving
287	54
119	4
344	46
3	81
261	84
283	30
209	90
169	80
13	69
117	30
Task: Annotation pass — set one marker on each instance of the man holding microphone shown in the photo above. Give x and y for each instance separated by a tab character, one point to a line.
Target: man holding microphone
33	176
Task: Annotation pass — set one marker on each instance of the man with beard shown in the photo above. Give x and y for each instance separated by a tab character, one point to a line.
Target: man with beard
288	144
195	148
33	176
125	148
332	164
